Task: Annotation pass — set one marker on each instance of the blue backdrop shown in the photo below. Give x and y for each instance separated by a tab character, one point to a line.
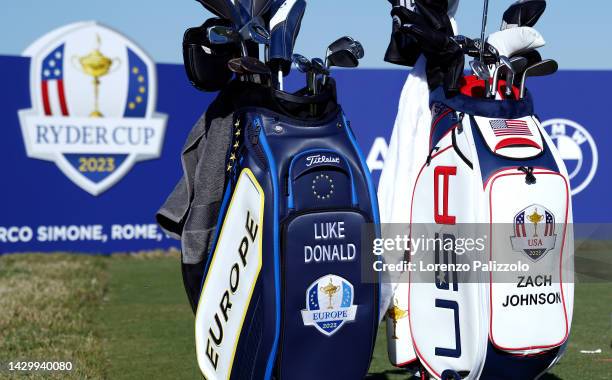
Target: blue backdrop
36	194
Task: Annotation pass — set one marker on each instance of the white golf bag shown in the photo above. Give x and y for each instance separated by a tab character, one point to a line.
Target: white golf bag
503	309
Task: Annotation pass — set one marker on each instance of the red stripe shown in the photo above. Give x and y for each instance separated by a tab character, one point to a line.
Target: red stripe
45	98
523	229
62	98
517	141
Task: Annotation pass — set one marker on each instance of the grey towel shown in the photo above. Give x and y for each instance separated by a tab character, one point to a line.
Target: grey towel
190	213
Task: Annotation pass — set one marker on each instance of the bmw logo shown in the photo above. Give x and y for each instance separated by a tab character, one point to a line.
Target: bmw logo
577	149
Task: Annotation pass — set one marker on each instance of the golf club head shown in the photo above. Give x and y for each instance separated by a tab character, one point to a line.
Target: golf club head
490	56
221	35
543	68
284	28
533	57
340	43
342	58
346	43
503	61
252	65
523	13
480	70
301	63
517	65
255	30
235	65
318	66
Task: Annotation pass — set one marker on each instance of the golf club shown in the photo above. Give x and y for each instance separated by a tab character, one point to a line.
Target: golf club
304	65
344	52
318	68
235	66
518	65
485	12
503	61
220	35
543	68
480	70
523	13
255	30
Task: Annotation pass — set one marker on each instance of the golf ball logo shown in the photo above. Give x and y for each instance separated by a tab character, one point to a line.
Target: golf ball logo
577	149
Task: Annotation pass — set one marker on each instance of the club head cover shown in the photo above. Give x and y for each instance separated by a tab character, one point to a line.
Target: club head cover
510	42
452	77
435	12
256	8
284	29
206	64
224	9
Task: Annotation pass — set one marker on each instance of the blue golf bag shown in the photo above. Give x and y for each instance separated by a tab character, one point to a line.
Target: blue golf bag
284	294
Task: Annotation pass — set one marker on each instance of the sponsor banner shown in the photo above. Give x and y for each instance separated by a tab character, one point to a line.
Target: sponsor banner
91	132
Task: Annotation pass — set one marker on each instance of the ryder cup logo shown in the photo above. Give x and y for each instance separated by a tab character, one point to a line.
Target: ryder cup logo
329	304
534	232
578	150
93	95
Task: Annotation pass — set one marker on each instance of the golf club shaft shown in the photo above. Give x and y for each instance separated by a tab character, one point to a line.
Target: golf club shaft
522	93
485	12
280	79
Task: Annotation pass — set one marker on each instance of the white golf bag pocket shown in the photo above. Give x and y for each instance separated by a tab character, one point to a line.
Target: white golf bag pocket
499	307
537	232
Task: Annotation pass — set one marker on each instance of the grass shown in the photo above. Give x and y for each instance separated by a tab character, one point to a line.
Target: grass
127	317
48	307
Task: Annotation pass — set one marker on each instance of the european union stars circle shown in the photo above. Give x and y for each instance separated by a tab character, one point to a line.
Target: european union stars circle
323	186
141	89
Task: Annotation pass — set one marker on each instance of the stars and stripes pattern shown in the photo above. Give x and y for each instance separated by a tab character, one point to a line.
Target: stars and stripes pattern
52	83
519	225
503	128
549	230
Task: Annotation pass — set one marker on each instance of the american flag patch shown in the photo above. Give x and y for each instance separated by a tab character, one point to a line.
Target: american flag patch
510	127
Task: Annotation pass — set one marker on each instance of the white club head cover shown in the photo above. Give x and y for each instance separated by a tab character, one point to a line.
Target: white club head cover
514	41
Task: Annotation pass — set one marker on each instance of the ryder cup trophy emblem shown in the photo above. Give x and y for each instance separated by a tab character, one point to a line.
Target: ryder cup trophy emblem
535	218
530	240
329	304
94	134
395	313
96	65
330	289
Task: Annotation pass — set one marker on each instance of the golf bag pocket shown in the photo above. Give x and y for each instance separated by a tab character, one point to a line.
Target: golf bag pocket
514	138
538	212
503	309
285	282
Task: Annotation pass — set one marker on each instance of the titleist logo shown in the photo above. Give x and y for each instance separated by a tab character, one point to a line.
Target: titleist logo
321	159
